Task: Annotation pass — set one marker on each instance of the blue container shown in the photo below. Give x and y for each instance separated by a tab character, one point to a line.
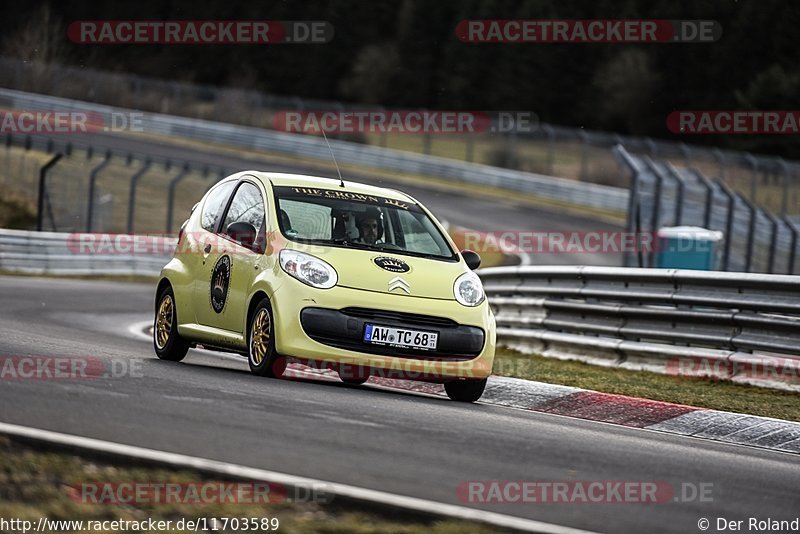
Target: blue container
688	247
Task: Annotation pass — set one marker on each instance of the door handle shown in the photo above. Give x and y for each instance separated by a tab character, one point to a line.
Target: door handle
207	250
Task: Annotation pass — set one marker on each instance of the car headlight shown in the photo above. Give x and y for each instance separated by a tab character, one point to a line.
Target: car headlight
308	269
468	290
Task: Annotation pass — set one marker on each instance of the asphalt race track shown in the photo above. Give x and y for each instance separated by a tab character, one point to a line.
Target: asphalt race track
409	444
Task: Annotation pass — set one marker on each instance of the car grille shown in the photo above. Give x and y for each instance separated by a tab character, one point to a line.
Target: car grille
409	318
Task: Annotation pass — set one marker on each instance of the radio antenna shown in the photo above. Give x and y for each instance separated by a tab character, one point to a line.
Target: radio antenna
341	181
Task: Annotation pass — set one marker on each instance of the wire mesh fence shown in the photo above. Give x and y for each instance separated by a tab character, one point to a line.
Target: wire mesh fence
665	195
572	153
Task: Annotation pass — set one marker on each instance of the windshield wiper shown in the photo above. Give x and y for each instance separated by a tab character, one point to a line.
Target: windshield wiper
427	255
348	243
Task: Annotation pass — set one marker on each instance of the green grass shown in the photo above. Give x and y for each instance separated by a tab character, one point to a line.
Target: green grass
35	483
704	393
16	212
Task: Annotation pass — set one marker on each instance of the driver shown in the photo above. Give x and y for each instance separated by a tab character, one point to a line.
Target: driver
370	227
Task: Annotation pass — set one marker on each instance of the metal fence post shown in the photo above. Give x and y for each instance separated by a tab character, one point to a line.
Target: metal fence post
42	178
751	230
785	199
653	149
132	193
625	160
709	203
551	147
584	154
792	251
633	219
681	193
92	183
773	241
9	142
754	177
687	154
729	223
171	194
656	203
720	157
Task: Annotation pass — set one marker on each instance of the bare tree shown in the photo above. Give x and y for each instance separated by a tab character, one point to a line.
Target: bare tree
39	44
626	84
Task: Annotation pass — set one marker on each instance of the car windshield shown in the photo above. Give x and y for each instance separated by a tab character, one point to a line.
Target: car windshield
346	219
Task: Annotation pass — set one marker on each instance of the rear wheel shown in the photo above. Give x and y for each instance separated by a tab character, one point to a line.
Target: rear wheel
262	357
465	390
168	343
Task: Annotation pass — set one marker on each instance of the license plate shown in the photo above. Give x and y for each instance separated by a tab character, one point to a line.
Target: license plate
400	337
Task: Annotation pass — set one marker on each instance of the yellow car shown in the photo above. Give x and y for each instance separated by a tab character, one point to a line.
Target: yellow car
338	275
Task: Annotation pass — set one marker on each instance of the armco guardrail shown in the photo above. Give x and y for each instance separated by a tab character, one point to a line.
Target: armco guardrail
83	254
306	146
736	326
732	326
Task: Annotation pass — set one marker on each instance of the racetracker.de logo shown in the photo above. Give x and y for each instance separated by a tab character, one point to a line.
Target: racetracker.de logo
766	368
196	493
68	122
582	491
405	121
559	242
767	122
588	31
67	368
261	32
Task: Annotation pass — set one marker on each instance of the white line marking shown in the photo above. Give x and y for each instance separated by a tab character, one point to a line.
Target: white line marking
252	473
137	330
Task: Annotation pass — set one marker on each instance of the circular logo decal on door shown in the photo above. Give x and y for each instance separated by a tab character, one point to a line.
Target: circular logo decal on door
220	279
393	265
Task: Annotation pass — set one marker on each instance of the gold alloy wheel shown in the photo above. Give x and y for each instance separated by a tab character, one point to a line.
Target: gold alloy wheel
164	321
261	335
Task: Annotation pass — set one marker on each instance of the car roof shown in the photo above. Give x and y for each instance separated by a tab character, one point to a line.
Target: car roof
301	180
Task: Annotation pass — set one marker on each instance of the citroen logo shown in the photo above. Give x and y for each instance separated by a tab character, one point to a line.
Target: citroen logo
399	283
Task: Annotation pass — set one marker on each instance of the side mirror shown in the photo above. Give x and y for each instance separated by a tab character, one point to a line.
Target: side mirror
243	232
473	259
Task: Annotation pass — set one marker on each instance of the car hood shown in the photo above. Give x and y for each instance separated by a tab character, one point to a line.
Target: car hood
361	269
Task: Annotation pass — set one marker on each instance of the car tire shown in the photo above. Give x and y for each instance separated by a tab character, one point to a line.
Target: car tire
169	345
354	381
465	390
352	374
261	354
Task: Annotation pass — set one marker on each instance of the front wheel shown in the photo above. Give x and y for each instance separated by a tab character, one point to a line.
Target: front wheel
262	357
465	390
168	343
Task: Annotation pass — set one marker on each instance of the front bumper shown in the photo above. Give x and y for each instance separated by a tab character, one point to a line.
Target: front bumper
334	321
344	329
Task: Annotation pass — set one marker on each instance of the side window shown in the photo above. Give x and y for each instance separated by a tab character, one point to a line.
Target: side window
417	237
247	206
305	219
215	203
